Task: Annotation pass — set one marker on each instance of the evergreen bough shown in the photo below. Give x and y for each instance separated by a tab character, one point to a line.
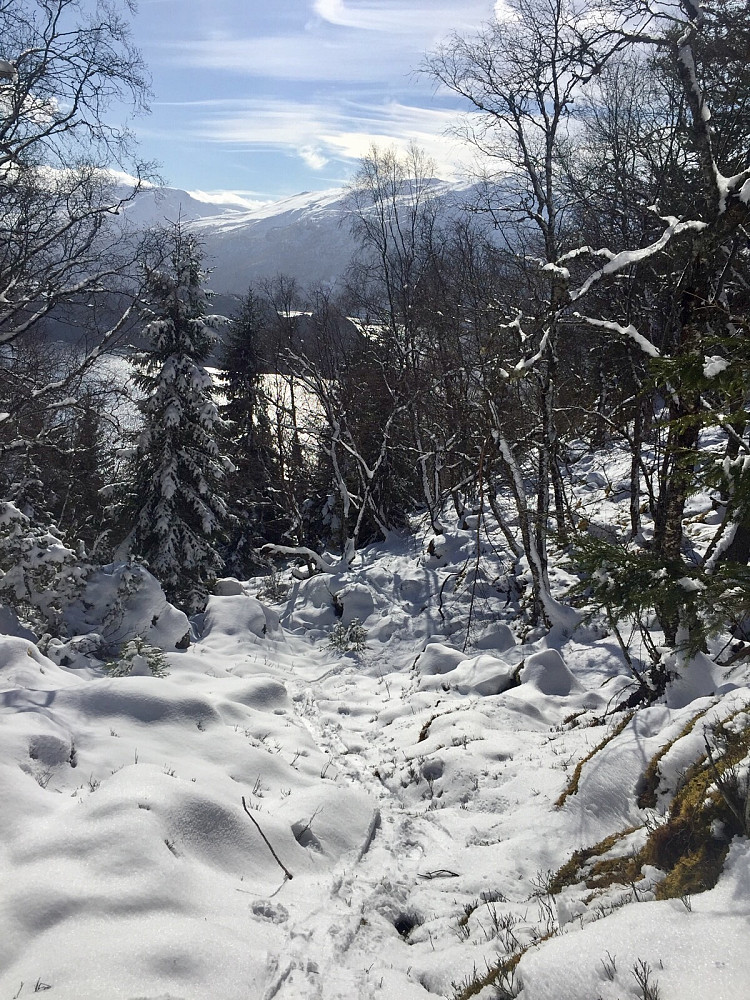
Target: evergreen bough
348	638
138	657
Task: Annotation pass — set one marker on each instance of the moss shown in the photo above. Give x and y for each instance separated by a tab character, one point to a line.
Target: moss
651	776
572	787
574	870
470	908
572	720
424	731
686	845
692	844
494	974
697	871
614	871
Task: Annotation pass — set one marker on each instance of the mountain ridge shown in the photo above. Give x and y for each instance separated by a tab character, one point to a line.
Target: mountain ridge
304	236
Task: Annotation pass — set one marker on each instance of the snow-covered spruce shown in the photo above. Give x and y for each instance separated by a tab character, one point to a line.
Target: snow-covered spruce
174	506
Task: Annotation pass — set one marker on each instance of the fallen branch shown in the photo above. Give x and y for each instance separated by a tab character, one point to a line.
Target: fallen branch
283	867
312	557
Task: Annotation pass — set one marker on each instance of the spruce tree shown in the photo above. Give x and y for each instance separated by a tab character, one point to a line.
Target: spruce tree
176	505
253	485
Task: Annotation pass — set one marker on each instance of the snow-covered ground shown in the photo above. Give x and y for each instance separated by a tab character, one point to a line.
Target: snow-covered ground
403	824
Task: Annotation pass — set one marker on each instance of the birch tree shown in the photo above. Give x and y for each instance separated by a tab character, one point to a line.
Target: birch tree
525	80
64	66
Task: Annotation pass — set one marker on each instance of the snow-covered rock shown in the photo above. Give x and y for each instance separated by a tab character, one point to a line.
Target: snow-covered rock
239	617
356	601
438	658
483	675
549	674
228	586
498	639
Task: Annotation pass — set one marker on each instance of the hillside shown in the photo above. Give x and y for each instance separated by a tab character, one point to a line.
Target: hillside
414	803
305	236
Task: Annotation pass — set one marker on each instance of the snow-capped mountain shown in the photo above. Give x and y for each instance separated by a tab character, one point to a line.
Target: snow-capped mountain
305	236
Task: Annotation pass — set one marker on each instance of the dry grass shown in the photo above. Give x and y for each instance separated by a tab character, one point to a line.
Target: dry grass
572	786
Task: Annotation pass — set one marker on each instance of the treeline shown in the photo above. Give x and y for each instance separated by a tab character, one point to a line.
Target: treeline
595	290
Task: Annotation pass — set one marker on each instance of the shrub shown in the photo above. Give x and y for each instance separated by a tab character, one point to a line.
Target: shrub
140	658
348	638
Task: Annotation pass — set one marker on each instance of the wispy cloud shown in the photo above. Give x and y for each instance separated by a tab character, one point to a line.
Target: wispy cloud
329	78
337	44
305	58
402	16
328	134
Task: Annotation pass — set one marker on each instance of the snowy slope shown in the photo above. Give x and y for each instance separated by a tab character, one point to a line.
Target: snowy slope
411	789
305	236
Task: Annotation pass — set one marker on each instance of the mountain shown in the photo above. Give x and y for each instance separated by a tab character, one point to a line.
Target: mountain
305	236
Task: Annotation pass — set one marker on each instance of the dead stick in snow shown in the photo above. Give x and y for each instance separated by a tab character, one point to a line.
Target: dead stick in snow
267	842
440	873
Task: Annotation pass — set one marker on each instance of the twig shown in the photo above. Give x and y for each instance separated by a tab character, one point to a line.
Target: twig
440	873
267	842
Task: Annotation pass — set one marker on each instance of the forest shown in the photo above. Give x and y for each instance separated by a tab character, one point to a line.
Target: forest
538	398
595	290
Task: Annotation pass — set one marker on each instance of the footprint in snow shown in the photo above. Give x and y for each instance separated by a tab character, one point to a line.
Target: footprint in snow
274	912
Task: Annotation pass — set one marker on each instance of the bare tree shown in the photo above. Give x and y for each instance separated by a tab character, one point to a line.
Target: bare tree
522	78
67	63
527	80
393	210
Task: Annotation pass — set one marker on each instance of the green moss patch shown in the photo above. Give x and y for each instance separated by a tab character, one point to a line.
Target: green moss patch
580	868
706	813
651	776
691	845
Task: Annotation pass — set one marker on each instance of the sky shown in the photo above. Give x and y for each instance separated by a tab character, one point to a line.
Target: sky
267	98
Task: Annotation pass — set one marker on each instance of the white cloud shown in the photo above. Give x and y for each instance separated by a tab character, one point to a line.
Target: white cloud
313	157
340	133
403	16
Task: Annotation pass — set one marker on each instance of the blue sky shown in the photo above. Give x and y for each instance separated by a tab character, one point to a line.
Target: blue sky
273	97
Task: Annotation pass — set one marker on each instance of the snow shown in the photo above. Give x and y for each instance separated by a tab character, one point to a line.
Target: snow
628	332
411	790
714	365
